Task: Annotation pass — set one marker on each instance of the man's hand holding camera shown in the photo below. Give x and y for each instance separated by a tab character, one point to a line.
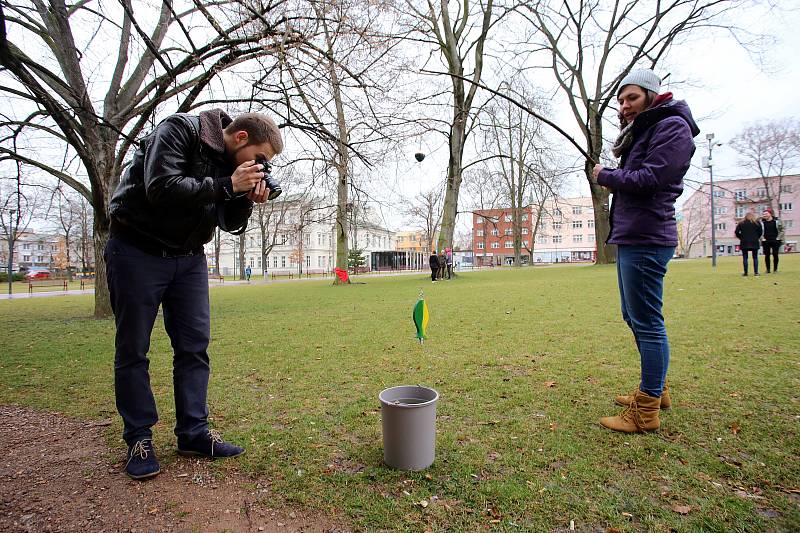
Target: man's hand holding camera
253	177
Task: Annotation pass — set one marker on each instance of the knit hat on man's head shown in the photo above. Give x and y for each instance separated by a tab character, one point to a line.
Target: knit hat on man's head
644	78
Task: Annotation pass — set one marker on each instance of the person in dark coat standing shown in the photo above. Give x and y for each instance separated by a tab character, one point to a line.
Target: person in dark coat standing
189	176
749	231
655	146
433	261
772	238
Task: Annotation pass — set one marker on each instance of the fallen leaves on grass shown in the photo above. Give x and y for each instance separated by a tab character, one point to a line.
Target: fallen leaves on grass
549	384
682	509
735	428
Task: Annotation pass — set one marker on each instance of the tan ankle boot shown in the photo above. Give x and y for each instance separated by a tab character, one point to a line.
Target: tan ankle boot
640	416
625	399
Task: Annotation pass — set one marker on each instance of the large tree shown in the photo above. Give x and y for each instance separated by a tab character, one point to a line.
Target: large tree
589	46
92	105
458	32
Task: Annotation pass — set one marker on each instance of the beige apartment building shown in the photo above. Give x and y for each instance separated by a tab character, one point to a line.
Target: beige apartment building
732	200
562	231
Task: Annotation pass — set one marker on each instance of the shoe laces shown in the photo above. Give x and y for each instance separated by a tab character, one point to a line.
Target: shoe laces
216	438
141	449
632	414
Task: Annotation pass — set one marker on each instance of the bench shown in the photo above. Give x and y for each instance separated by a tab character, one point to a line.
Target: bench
36	283
87	282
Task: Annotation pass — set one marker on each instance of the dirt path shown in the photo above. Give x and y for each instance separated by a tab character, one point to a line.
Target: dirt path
58	474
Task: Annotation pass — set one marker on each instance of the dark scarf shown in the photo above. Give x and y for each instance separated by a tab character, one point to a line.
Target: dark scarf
625	137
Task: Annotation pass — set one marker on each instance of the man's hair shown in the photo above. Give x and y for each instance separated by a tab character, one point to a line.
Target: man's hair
260	129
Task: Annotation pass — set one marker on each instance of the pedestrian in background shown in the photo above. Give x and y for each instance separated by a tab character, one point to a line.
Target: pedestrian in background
247	272
772	238
749	232
433	262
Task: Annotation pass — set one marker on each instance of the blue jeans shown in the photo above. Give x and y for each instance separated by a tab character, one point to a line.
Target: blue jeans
138	284
640	271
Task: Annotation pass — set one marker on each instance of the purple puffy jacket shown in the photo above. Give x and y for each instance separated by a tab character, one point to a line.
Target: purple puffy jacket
650	177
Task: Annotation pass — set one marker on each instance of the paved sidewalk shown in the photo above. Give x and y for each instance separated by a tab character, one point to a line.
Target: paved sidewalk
215	284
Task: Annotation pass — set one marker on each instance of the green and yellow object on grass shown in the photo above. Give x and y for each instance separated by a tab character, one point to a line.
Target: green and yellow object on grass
420	317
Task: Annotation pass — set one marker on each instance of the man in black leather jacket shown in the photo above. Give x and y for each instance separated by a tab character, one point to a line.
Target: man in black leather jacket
190	175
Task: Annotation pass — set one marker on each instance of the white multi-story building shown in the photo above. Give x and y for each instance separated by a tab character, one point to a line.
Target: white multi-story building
300	238
33	250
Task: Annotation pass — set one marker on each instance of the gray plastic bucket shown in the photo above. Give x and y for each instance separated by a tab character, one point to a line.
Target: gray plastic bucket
408	418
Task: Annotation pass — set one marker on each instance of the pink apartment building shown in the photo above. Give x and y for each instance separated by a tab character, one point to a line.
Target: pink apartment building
732	200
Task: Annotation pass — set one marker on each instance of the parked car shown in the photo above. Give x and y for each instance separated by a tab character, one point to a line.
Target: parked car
37	273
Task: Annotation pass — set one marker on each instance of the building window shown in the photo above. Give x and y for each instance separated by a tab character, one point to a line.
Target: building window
557	213
785	206
480	246
479	233
509	244
284	238
26	246
26	258
524	231
478	220
495	232
577	238
557	226
739	194
719	193
740	211
541	239
507	218
590	223
509	231
786	188
524	217
761	192
590	237
576	210
788	223
556	239
722	225
577	224
721	210
495	245
319	260
274	261
308	261
543	225
283	261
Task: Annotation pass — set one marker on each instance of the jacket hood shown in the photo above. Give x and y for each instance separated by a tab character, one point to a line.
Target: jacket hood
670	108
211	125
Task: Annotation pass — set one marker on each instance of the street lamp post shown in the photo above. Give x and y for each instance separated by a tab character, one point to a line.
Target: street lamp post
11	214
710	165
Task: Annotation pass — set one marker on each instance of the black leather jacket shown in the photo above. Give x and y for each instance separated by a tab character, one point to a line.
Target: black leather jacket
178	187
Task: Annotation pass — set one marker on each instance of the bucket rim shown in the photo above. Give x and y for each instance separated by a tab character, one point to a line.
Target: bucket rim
409	406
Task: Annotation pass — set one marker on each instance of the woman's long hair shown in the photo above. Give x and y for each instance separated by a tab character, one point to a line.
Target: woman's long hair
750	217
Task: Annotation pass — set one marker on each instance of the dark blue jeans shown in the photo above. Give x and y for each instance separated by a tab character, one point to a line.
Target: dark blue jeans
138	283
640	271
754	253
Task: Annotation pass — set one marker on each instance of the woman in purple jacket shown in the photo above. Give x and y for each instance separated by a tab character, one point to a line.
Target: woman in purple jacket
655	147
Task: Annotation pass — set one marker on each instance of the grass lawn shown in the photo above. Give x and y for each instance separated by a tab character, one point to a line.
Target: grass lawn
525	362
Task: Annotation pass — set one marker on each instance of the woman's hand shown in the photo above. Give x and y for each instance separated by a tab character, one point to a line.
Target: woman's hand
596	172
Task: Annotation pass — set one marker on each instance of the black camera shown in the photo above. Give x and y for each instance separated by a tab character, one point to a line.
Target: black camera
271	183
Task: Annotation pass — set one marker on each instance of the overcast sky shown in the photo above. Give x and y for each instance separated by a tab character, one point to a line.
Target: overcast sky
725	87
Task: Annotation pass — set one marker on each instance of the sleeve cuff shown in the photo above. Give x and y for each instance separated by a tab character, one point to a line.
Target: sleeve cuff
223	188
604	178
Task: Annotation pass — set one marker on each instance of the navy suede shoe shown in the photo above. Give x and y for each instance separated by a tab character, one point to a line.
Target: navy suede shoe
142	462
209	444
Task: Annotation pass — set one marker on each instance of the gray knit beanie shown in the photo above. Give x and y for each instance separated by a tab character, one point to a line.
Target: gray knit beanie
644	78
